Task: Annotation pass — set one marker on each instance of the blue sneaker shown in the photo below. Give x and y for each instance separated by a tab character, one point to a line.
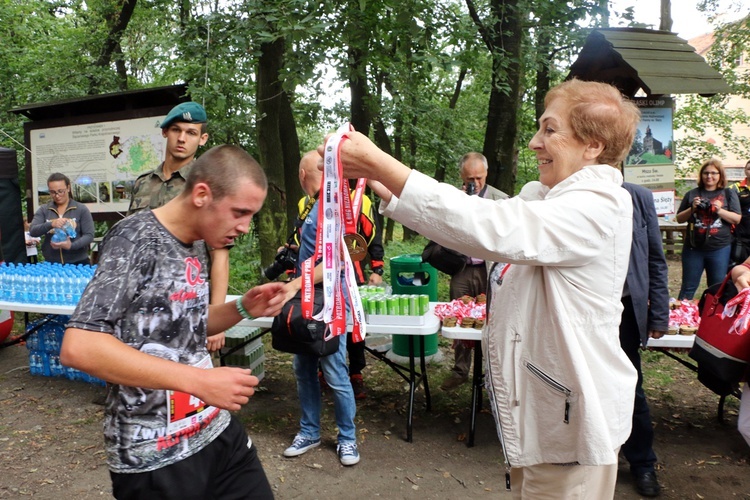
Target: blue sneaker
301	445
348	453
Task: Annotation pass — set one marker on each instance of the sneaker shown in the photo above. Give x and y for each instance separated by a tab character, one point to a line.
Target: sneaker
348	453
453	382
301	445
358	386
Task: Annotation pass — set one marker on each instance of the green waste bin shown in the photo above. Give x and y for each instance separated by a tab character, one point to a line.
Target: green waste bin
410	275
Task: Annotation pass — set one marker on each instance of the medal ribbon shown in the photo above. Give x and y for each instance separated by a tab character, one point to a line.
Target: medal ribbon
335	211
352	204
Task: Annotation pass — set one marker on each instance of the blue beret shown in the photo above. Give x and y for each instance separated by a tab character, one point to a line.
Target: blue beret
188	112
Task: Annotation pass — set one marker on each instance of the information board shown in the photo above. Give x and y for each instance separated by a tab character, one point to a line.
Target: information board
102	159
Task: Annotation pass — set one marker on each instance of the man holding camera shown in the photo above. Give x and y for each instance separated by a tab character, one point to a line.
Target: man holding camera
472	279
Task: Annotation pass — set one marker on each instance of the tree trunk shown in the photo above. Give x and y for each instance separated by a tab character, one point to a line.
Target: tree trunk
117	20
272	220
505	96
604	9
442	158
291	152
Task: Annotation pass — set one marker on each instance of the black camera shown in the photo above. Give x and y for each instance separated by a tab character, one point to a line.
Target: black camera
471	188
285	260
704	205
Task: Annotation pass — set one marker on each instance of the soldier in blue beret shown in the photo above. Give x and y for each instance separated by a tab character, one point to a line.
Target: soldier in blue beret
185	130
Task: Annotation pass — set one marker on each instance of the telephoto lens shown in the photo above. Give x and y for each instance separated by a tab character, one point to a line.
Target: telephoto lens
285	260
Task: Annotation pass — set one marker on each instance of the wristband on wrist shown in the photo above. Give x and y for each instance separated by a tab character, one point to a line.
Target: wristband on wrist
241	309
745	264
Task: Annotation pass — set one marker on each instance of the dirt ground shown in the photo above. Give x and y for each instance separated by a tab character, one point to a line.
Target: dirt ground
51	439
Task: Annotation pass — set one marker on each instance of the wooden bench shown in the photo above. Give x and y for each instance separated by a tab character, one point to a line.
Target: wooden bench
673	235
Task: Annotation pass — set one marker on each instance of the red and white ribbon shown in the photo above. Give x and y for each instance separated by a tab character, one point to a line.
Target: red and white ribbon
742	324
334	207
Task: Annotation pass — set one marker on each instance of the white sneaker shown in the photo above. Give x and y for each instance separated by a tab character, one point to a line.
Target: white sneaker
301	445
348	453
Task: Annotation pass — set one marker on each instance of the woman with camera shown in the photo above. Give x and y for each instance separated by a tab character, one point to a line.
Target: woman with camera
710	210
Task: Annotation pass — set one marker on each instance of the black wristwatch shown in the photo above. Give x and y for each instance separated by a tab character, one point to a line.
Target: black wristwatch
378	271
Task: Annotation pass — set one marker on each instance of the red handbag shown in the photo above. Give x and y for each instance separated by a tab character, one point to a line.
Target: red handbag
722	356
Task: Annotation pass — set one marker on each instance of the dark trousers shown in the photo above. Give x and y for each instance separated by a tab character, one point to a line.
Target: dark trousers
638	449
225	469
471	281
356	351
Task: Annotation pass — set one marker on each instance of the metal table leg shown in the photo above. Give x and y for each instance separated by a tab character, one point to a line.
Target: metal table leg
476	392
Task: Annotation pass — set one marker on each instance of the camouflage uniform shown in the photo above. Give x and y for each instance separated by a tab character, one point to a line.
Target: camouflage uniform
153	190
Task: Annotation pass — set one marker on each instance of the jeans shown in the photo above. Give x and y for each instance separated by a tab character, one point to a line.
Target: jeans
308	388
715	262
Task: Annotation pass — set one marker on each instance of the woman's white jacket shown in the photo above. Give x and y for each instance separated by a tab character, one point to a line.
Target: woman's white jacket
561	387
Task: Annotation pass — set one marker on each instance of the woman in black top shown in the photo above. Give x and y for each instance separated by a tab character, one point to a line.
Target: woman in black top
711	210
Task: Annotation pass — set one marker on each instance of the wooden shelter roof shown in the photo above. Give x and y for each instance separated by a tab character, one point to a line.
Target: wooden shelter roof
127	101
659	62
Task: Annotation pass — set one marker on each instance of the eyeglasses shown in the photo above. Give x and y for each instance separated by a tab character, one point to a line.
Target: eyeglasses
58	192
710	173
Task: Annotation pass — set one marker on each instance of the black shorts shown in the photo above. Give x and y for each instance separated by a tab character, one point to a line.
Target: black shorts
225	469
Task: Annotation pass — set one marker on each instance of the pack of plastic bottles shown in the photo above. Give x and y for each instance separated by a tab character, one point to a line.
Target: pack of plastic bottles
44	350
44	283
61	234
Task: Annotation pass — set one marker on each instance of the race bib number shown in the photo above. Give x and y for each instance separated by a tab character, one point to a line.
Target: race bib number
186	410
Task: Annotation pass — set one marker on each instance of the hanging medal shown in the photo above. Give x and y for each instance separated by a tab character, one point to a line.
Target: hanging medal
356	244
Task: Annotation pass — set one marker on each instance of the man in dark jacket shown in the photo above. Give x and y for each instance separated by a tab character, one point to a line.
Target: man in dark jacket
472	279
645	299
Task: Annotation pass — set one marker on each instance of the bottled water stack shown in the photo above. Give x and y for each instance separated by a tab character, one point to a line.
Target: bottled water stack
48	284
44	283
44	350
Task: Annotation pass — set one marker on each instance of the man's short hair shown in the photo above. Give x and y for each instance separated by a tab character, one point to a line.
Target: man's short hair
221	167
470	157
57	176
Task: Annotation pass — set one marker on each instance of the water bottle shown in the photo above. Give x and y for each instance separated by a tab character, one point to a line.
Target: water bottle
72	373
36	366
55	290
56	369
59	235
45	364
51	343
35	292
23	288
44	285
67	291
32	342
12	286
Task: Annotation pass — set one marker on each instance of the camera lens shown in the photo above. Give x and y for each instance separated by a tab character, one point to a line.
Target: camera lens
285	260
